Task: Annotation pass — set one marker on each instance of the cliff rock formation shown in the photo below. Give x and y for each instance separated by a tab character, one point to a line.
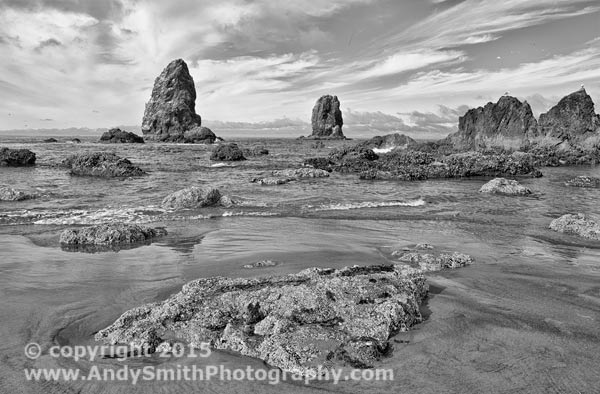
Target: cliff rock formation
171	110
573	117
327	119
506	124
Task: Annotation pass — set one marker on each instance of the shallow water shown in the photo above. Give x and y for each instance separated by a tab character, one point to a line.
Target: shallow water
524	318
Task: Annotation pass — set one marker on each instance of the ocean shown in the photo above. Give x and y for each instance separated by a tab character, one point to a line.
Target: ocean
525	317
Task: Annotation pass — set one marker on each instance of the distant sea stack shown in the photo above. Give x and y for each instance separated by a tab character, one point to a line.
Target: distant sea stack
506	124
327	119
572	118
171	110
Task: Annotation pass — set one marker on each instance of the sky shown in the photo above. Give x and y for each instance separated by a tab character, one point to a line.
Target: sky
411	63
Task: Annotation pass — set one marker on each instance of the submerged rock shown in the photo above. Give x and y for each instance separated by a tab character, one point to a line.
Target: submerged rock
261	264
583	181
16	157
256	151
227	152
322	163
108	234
577	224
505	186
199	135
101	164
195	197
50	140
171	110
117	135
296	322
327	119
76	141
10	194
298	173
271	181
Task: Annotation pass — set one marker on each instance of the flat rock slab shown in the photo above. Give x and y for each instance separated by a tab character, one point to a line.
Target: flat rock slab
298	322
195	197
577	224
505	186
96	238
298	173
102	164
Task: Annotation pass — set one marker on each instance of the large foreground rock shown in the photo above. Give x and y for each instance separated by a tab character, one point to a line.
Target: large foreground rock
507	124
577	224
16	157
227	152
505	186
109	234
195	197
10	194
171	110
295	322
327	119
102	164
118	136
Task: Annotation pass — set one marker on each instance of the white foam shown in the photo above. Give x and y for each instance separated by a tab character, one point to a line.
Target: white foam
106	215
371	204
384	150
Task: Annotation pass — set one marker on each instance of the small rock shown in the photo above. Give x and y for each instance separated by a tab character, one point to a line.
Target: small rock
16	157
505	186
256	151
10	194
117	135
577	224
261	264
227	152
193	197
583	181
271	181
76	141
50	140
297	173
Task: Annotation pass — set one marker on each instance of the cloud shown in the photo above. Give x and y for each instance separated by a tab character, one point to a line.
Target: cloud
51	42
405	61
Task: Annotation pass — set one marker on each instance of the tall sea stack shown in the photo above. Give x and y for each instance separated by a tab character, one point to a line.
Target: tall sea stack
506	124
171	110
572	118
327	119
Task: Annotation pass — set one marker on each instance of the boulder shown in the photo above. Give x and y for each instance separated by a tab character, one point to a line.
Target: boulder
583	181
76	141
327	119
505	186
571	119
194	197
507	124
16	157
101	164
577	224
109	234
116	135
50	140
171	110
199	135
227	152
297	322
10	194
